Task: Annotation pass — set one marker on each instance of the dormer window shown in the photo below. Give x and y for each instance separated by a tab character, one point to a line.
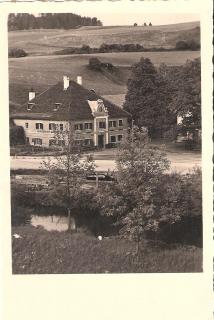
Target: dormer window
100	105
57	106
30	106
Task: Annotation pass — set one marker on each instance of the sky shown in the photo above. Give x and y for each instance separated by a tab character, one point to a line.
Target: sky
128	12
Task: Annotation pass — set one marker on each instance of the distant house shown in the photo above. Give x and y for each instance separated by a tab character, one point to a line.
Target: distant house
96	121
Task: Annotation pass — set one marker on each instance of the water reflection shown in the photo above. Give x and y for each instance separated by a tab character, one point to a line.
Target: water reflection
51	223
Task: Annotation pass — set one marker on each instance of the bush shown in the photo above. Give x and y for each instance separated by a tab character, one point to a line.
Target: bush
17	135
94	64
16	53
181	45
187	45
193	45
20	216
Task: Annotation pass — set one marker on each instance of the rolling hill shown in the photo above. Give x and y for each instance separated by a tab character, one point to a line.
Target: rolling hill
42	69
45	42
41	72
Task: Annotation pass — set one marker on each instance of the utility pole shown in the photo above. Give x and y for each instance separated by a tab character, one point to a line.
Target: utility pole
97	180
132	131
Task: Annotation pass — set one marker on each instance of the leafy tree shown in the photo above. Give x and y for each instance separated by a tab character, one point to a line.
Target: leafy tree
145	196
130	200
150	24
186	86
66	173
148	97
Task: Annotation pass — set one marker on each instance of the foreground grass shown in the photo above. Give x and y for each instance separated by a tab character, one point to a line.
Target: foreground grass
41	252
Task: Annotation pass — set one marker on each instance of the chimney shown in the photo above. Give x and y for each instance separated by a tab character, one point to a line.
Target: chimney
79	80
65	82
31	94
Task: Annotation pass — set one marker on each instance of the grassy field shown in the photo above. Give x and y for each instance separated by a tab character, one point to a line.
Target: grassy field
41	252
43	71
40	42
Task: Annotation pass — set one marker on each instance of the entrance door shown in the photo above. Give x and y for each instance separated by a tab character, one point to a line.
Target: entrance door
101	141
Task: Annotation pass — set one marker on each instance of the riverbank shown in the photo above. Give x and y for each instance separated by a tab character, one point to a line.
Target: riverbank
37	251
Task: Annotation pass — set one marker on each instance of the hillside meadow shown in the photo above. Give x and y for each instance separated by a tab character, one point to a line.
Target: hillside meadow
41	72
45	42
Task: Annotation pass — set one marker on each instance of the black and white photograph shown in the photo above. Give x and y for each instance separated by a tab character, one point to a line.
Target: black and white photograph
106	182
105	143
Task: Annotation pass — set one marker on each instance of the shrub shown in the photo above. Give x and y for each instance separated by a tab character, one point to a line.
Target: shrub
20	216
94	63
187	45
16	53
181	45
17	135
193	45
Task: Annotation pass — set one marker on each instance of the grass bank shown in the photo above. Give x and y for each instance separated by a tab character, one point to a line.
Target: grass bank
41	252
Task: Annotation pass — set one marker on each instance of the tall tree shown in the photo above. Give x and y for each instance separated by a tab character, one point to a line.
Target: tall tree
148	98
66	172
186	101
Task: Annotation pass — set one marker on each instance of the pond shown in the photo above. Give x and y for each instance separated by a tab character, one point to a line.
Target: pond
52	222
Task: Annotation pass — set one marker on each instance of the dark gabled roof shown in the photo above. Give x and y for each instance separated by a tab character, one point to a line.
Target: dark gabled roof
74	104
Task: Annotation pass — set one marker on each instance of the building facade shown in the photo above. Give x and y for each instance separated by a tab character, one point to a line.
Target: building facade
68	105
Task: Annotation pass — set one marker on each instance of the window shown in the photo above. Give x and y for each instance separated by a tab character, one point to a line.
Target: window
37	141
119	137
52	142
112	139
78	142
27	140
78	126
57	106
88	142
61	127
120	123
30	106
88	126
26	125
52	126
102	124
61	143
39	126
112	124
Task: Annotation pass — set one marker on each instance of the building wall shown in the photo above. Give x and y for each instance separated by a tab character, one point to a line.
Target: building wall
118	130
82	133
